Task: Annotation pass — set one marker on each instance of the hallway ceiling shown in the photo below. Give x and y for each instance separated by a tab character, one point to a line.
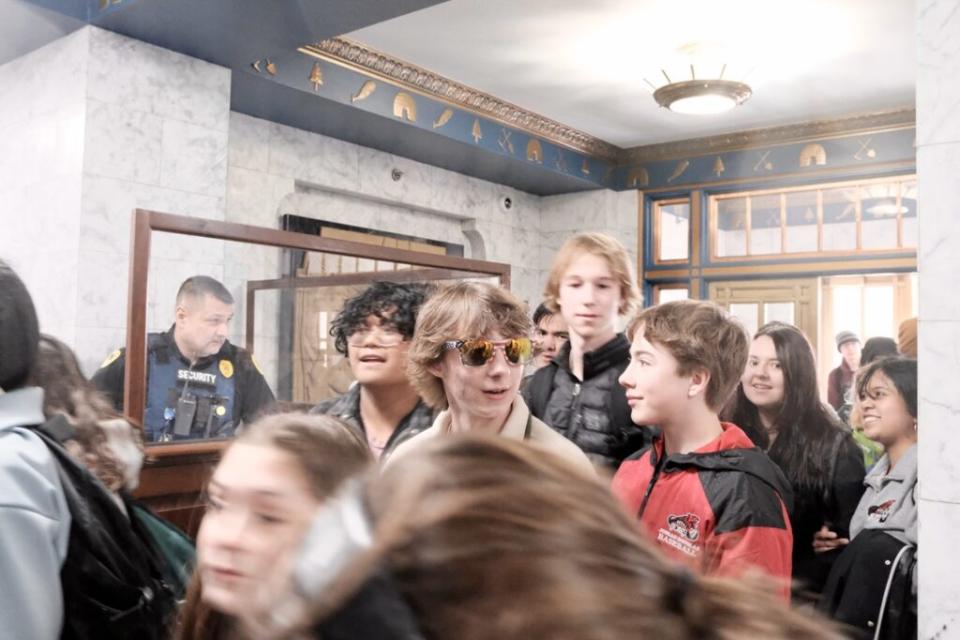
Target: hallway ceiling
575	70
584	63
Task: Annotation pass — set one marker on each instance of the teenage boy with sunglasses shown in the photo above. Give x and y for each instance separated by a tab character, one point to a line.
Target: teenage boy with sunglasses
466	358
373	331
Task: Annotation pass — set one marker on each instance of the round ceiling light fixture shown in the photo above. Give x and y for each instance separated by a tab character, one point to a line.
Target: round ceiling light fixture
702	97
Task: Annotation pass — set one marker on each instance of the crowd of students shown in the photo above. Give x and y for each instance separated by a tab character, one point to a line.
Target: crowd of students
681	479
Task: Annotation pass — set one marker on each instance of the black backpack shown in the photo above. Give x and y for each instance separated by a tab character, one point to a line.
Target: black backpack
112	578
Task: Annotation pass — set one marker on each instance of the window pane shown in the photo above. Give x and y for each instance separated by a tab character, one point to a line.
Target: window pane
878	229
731	227
669	295
839	219
674	231
765	224
801	222
878	312
908	199
778	311
747	312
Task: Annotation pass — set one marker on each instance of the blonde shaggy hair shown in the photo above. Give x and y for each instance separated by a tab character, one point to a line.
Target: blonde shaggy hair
458	312
602	246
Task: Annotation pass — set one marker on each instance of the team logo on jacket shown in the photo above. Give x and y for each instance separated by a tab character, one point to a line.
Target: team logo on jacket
687	525
880	512
681	533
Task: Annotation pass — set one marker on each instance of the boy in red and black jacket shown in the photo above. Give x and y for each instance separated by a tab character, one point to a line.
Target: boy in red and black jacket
703	492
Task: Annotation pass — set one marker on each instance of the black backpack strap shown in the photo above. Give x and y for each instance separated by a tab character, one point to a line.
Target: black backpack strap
58	428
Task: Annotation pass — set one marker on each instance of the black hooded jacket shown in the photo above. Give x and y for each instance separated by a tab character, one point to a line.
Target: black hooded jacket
593	413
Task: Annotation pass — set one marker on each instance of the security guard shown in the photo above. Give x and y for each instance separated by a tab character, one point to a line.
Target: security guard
198	384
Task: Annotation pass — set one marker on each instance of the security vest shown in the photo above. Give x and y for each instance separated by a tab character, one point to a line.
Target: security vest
186	402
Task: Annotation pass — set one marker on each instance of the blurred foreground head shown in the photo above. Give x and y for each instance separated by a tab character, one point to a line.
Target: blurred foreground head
479	538
19	330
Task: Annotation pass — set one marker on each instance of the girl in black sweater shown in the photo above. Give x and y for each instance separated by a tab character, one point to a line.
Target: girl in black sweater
777	404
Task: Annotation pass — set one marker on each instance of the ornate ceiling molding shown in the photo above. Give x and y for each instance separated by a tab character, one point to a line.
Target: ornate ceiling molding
372	62
816	130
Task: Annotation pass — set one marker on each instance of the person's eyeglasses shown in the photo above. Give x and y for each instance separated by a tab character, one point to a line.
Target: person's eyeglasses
382	339
478	352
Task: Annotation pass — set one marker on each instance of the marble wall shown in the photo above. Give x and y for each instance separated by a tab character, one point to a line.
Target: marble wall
938	163
156	138
42	123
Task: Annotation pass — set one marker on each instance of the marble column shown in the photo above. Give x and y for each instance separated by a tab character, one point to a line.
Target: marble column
938	165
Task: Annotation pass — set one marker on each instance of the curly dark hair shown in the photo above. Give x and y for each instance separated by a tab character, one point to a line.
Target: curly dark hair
395	304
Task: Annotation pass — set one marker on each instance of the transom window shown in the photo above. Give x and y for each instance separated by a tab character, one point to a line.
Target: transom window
850	218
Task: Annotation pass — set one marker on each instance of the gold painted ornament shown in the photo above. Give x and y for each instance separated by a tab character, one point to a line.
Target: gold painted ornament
366	89
443	119
316	76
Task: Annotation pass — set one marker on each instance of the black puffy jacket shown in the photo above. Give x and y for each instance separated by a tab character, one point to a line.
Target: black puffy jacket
593	413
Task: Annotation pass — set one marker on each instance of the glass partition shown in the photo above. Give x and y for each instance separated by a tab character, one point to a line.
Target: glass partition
199	366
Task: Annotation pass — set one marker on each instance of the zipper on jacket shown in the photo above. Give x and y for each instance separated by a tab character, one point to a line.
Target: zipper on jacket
653	481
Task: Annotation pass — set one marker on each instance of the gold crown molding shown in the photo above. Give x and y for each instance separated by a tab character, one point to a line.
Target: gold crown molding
369	61
816	130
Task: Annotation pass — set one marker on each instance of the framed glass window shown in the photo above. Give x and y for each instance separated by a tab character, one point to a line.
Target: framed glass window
671	231
862	217
731	227
670	292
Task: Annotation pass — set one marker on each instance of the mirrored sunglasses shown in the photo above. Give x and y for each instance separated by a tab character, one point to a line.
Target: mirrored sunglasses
478	352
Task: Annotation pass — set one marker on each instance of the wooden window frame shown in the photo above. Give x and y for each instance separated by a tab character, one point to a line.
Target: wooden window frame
713	224
655	207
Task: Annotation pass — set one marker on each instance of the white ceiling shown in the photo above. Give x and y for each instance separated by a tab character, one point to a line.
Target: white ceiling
583	62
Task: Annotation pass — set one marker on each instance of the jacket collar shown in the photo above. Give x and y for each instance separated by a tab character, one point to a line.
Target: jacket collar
21	408
600	359
732	450
881	474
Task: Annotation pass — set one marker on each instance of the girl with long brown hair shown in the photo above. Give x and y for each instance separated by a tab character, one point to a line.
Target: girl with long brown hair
778	405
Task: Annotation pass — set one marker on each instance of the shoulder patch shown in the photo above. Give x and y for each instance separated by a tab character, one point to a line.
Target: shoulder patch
226	368
110	359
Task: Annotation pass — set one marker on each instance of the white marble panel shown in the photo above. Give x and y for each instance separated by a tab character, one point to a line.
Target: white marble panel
108	206
939	566
102	289
527	285
249	142
44	79
415	188
51	278
574	211
138	76
938	67
183	248
525	247
122	143
254	197
313	158
939	238
194	158
939	409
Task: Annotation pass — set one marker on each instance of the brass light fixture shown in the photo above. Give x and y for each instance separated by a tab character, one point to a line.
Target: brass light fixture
701	96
